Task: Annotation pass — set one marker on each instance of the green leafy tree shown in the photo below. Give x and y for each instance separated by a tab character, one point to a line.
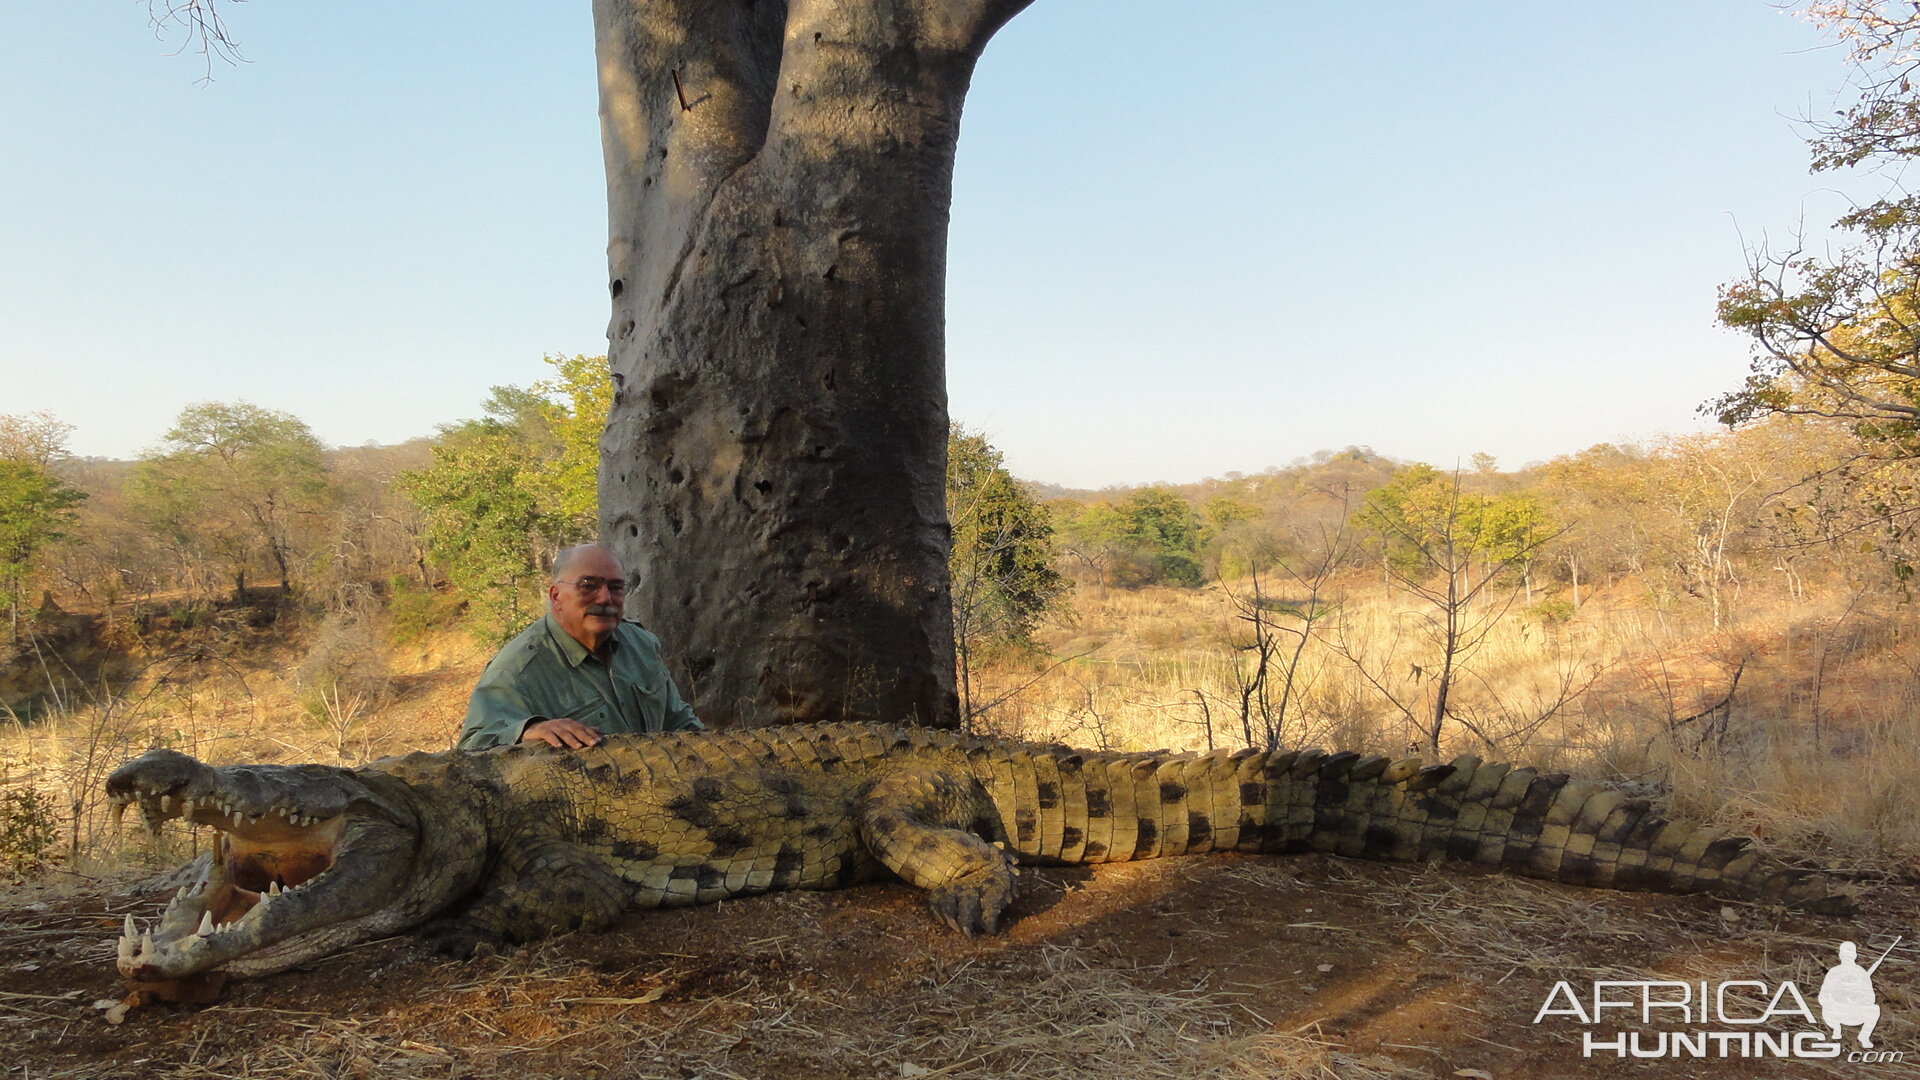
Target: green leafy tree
1839	335
505	491
1095	535
573	406
1001	557
1153	536
236	484
1453	550
1164	529
37	438
483	525
1231	534
1599	494
36	506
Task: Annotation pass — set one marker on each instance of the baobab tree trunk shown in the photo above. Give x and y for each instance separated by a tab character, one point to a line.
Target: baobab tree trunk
773	471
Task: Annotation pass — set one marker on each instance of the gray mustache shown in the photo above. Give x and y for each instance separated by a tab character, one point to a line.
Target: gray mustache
604	609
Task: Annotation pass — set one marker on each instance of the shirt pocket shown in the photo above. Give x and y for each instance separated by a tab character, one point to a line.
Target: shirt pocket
649	704
590	711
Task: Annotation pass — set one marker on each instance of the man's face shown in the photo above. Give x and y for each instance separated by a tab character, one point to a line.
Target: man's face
589	616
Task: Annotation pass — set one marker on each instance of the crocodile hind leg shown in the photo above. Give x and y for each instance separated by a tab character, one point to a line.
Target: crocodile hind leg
541	888
927	826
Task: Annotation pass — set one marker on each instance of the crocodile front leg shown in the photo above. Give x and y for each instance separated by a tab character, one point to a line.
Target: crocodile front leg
541	887
927	826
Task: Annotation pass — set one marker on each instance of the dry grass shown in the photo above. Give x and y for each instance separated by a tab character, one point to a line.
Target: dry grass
1220	967
1816	748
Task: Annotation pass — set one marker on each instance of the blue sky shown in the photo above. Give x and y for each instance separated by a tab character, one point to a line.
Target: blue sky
1187	238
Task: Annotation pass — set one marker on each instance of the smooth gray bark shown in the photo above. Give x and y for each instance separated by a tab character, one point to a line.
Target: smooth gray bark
773	472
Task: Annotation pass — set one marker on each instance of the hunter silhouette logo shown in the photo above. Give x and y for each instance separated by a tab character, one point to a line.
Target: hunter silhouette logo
1846	994
1733	1018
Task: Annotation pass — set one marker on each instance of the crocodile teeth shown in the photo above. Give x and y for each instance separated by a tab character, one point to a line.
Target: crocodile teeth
128	930
125	951
146	943
186	806
273	889
206	924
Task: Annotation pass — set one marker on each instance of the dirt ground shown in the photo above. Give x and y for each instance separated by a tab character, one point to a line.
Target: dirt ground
1217	966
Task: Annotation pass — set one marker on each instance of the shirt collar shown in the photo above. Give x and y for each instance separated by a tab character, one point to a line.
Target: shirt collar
571	651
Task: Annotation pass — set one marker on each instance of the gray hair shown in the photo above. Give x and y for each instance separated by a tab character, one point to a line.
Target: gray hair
563	562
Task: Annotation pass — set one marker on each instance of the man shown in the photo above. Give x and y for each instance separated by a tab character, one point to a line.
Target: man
1846	995
580	672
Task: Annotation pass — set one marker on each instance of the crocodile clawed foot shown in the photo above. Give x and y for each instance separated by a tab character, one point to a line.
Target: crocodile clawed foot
973	904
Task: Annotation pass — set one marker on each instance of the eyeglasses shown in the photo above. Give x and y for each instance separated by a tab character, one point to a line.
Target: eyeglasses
591	586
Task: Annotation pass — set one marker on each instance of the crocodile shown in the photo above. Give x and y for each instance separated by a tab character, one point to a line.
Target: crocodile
515	843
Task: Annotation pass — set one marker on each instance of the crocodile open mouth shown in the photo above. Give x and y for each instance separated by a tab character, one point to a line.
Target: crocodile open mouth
256	860
259	869
301	857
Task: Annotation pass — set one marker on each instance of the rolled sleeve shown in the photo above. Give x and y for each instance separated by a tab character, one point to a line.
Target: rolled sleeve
496	714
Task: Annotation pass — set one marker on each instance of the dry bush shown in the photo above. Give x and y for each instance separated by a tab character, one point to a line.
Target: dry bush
29	823
345	676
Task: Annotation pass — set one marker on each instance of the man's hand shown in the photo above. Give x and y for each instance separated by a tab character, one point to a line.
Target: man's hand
564	733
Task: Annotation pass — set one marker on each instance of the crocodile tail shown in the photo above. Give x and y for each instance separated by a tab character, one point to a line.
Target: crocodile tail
1085	807
1549	826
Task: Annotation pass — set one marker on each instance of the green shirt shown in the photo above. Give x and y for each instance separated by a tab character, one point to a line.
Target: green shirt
544	674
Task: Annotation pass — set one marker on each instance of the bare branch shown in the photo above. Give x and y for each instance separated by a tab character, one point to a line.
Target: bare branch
203	27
